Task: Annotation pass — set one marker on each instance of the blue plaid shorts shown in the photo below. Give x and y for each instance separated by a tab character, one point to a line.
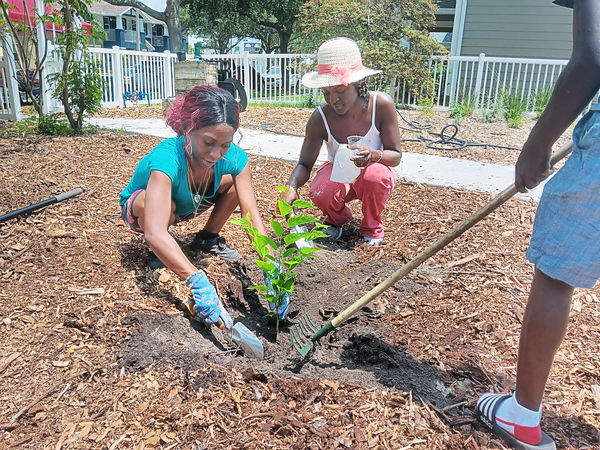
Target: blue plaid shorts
565	244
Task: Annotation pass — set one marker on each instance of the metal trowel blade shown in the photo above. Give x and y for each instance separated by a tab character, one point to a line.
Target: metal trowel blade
302	243
246	340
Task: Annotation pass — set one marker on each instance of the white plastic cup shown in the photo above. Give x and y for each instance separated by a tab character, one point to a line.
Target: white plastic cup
354	139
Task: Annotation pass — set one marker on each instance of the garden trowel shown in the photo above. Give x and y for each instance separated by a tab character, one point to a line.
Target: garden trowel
301	243
243	338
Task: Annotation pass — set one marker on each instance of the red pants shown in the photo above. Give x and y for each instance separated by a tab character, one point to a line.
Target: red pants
372	187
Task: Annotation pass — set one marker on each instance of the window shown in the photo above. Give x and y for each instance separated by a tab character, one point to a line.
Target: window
145	28
158	30
133	25
124	23
110	22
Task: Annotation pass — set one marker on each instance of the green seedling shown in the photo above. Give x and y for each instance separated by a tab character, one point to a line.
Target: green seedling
278	257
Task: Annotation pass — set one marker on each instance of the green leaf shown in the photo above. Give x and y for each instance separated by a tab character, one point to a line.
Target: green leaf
281	188
308	250
259	288
263	241
289	252
293	237
242	222
301	220
302	204
284	207
277	228
266	266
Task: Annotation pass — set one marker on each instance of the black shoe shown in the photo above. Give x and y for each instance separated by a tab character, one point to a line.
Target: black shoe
154	262
216	246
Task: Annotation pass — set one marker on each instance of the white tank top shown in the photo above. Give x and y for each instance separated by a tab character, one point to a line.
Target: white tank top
372	139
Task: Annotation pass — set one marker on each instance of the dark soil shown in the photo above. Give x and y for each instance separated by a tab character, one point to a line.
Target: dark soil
356	352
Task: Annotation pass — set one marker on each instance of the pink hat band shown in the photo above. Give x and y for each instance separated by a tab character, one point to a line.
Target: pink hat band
341	74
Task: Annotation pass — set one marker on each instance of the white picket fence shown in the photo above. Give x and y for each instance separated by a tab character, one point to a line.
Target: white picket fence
10	106
130	77
482	79
276	78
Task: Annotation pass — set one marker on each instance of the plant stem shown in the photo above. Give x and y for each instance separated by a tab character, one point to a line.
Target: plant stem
277	329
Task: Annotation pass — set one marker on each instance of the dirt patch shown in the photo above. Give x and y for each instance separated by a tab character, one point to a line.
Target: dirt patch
356	352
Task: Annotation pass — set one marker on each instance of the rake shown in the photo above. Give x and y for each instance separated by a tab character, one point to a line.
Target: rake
305	332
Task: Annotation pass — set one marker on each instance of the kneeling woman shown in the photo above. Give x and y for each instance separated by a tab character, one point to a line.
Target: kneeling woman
183	177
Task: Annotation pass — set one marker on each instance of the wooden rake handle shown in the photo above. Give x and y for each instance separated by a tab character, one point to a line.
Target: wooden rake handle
432	249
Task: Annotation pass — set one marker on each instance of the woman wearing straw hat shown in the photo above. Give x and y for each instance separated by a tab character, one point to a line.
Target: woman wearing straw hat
350	110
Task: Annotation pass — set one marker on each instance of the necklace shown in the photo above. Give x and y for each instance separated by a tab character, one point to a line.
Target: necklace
197	199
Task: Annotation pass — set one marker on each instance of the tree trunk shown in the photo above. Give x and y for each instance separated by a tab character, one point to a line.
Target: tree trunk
173	21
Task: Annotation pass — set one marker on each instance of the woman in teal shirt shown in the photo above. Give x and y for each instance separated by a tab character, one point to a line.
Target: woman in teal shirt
182	177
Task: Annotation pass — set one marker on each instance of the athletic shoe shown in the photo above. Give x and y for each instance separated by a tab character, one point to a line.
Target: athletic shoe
372	241
216	246
332	231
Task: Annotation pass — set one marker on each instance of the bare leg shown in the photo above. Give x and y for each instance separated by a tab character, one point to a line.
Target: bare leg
544	327
224	207
138	209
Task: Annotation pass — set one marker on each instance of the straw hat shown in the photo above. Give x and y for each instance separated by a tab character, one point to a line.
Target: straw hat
339	62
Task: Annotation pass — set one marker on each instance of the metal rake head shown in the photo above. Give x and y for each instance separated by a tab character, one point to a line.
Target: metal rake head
301	334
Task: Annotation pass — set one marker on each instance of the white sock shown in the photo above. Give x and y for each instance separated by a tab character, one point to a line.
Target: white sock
510	411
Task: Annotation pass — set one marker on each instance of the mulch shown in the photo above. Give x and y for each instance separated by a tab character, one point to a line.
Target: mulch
70	274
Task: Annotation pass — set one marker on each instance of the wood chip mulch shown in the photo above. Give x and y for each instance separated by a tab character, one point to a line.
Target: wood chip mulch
68	279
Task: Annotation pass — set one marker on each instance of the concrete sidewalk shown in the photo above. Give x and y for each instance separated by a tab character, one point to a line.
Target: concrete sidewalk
430	170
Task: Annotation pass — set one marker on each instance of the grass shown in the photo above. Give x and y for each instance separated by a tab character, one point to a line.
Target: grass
514	106
541	99
463	107
49	124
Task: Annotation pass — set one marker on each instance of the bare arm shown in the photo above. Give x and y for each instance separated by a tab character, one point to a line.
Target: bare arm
247	199
574	89
390	136
313	140
157	217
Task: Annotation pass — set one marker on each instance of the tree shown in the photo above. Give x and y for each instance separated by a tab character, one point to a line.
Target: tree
392	34
222	26
278	15
79	84
171	16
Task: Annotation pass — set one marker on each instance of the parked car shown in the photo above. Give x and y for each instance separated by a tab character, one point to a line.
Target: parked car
272	78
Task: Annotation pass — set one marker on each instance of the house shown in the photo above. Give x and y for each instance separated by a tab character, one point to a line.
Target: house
130	28
444	22
512	28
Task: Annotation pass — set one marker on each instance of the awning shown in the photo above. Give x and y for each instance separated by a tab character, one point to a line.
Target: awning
19	13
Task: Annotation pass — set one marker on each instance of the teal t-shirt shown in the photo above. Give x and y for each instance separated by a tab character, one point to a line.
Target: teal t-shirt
169	157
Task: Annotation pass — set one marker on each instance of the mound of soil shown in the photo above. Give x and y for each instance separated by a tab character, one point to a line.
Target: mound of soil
356	352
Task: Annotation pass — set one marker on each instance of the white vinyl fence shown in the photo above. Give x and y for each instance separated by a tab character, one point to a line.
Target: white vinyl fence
267	78
10	106
129	76
483	79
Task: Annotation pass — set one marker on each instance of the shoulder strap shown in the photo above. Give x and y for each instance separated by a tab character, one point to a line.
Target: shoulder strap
326	124
374	103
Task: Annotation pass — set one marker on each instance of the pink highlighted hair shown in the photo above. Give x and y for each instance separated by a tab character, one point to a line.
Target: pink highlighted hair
203	106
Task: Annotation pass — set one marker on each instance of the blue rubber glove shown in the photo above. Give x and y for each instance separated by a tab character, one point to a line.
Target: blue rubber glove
285	305
205	302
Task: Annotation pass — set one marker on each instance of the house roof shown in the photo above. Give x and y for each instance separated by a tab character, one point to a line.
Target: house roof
106	9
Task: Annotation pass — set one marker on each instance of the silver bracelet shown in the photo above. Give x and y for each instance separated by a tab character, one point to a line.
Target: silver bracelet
380	156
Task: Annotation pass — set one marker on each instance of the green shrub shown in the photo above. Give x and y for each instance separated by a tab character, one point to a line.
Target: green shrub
427	105
463	107
514	106
541	99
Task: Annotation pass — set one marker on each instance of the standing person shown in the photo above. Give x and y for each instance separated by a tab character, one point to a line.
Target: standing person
565	243
350	109
183	177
